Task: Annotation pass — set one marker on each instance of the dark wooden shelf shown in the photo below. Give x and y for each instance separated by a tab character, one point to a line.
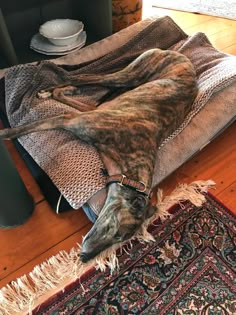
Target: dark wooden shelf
18	25
25	54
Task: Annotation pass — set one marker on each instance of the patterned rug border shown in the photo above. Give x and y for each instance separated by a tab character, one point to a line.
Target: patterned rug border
190	284
175	209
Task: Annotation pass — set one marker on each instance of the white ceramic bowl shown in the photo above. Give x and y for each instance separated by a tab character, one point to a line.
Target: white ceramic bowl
61	32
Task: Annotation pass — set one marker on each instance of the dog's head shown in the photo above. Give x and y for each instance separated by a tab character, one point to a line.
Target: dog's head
122	215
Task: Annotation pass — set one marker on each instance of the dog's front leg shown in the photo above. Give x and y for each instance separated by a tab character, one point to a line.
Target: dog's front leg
64	94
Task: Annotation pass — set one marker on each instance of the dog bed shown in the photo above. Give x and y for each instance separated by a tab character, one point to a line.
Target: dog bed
75	167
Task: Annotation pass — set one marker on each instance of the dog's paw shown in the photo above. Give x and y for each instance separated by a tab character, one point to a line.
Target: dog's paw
44	94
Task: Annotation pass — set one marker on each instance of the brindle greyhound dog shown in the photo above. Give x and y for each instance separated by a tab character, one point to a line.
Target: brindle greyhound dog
158	89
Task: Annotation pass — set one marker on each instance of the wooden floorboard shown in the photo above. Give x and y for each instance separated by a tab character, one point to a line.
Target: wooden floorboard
46	233
228	197
230	49
69	242
217	161
41	232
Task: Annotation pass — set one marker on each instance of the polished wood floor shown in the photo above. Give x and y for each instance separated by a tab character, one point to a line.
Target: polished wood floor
46	233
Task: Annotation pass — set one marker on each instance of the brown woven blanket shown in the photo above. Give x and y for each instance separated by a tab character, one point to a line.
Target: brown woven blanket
73	166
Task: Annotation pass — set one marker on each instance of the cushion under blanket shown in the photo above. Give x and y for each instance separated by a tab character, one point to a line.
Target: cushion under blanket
74	166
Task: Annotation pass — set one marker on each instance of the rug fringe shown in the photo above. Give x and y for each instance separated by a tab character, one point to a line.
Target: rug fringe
192	192
22	295
183	192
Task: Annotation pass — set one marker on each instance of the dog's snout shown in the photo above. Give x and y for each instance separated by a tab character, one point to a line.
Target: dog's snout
84	257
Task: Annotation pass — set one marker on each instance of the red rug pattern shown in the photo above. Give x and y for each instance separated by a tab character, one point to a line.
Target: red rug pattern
189	269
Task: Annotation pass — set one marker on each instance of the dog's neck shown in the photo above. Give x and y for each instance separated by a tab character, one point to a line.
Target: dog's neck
137	172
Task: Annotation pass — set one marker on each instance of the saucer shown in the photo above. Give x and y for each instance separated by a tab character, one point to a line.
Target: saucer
41	45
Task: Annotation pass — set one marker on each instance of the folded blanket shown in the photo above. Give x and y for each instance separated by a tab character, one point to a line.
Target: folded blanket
73	166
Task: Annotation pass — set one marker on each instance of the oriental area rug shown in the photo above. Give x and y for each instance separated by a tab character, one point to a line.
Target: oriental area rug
222	8
188	269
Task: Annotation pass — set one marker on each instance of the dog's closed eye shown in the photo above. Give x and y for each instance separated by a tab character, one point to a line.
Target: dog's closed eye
118	237
139	202
125	232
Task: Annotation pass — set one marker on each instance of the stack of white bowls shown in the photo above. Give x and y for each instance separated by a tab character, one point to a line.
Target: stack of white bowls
59	37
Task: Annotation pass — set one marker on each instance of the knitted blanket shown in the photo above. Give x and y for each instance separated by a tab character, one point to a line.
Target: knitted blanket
74	166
